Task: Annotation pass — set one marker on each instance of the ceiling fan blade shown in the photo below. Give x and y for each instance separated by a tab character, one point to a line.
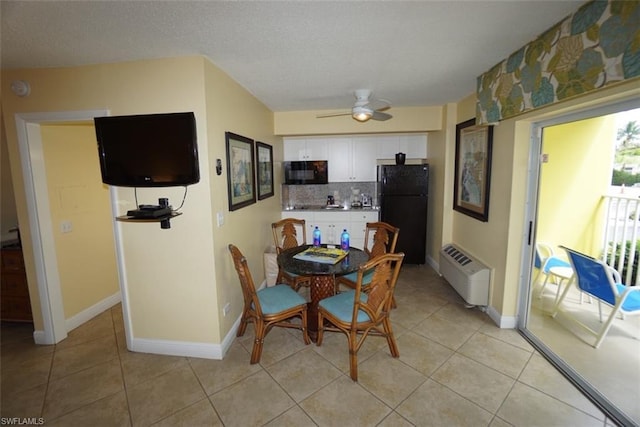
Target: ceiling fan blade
321	116
377	115
379	104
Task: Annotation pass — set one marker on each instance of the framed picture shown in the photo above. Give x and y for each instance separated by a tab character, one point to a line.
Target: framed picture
265	170
473	169
240	171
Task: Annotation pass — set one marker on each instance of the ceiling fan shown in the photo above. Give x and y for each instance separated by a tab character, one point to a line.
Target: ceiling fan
364	110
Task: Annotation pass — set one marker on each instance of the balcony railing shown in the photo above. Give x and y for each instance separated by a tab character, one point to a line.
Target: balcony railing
621	232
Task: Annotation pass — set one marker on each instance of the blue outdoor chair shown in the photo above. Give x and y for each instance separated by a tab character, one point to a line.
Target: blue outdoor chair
544	261
602	282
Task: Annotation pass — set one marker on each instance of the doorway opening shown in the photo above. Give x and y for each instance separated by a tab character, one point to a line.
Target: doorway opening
570	193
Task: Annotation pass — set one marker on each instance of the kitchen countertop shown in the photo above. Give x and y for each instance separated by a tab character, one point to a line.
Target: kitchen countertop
325	208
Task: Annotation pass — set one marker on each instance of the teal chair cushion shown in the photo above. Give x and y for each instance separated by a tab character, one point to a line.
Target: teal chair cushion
632	302
366	277
341	306
278	298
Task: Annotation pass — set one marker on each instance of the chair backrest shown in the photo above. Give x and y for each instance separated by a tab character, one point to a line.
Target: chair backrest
246	281
386	269
593	276
383	238
543	251
286	233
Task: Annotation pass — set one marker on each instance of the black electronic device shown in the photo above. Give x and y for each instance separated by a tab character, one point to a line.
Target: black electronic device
149	211
151	150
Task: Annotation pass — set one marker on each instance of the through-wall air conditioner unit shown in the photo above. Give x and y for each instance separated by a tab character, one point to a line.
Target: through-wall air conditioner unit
468	276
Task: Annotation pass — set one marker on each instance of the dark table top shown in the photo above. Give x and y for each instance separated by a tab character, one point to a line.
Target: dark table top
354	259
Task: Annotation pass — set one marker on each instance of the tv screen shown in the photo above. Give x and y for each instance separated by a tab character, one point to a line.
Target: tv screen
151	150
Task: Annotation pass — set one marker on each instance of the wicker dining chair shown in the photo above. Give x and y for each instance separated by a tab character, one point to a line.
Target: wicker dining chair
358	314
268	307
286	233
379	238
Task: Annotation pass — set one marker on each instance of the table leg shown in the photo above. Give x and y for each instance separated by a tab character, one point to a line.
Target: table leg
321	287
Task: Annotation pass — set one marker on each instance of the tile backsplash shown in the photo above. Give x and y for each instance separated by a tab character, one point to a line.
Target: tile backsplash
296	195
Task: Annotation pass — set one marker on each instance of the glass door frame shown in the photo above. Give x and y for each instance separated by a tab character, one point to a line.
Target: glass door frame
531	209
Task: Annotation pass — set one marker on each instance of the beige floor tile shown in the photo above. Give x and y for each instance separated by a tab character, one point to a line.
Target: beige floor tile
335	349
496	354
252	401
510	336
278	344
541	410
445	332
540	375
499	422
303	373
98	327
200	414
294	417
140	367
109	411
164	395
214	375
435	405
409	313
344	403
76	390
474	381
394	420
421	353
23	404
25	374
459	313
69	360
388	378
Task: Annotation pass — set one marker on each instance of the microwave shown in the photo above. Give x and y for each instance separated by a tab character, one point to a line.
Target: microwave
306	172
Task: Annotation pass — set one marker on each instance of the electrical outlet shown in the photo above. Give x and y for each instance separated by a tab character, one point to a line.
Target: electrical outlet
66	227
226	309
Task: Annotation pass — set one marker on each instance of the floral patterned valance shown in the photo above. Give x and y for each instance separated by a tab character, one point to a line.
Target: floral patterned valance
596	46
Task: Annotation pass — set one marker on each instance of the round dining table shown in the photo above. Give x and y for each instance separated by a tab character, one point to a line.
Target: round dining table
322	277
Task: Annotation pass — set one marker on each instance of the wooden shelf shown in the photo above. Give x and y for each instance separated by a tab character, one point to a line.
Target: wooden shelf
126	218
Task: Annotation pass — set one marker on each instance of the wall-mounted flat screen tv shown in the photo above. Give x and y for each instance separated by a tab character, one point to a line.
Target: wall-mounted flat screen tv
150	150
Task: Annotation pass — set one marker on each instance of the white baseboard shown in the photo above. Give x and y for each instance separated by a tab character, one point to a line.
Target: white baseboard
505	322
85	315
186	349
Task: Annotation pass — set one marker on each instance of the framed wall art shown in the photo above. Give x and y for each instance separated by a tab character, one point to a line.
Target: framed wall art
240	171
473	169
265	170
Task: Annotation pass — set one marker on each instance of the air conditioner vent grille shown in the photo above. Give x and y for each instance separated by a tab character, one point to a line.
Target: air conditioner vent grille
458	256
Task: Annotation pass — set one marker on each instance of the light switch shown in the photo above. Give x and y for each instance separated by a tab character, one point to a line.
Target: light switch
66	226
220	218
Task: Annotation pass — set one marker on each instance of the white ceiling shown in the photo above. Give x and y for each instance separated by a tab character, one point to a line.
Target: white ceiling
292	55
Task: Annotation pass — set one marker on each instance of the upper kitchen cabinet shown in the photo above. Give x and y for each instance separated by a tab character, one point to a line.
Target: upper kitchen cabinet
414	146
304	149
351	160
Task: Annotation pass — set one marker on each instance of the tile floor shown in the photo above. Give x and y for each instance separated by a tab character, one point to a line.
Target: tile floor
456	368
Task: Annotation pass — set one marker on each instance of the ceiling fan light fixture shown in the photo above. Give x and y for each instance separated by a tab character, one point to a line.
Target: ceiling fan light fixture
361	114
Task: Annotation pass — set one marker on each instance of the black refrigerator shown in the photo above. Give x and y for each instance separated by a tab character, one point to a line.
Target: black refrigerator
403	195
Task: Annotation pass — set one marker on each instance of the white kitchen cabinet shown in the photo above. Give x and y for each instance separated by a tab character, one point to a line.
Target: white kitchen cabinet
331	225
414	146
358	224
308	217
351	160
304	149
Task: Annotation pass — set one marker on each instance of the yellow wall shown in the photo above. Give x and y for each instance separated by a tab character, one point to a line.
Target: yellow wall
572	182
177	278
86	255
